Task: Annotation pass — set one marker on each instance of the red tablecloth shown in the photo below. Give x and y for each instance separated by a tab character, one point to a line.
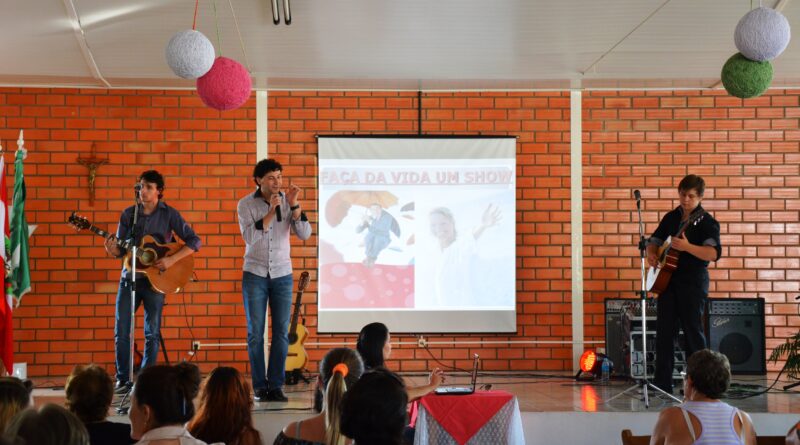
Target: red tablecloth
463	416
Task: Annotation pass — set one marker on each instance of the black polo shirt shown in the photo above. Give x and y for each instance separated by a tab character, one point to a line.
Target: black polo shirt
704	232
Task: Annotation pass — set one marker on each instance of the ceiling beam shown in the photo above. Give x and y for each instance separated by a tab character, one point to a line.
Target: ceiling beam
80	36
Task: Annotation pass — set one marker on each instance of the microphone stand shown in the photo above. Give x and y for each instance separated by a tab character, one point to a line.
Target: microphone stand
644	383
131	242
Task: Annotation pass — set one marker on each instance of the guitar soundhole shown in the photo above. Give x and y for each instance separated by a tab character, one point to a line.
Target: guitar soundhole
292	338
148	257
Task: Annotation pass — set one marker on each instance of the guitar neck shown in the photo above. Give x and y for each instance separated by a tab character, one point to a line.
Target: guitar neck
296	312
98	231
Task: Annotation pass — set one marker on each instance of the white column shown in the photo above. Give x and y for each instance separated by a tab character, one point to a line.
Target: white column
261	125
576	221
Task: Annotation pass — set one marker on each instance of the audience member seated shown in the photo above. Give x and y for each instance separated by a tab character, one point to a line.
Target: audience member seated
162	403
339	370
15	396
374	409
793	436
51	425
90	391
375	348
703	418
225	411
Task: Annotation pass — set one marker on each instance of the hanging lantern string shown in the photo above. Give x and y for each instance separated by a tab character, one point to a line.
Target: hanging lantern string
216	23
241	41
194	22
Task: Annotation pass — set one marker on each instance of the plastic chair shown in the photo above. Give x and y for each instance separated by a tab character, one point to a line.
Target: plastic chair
629	439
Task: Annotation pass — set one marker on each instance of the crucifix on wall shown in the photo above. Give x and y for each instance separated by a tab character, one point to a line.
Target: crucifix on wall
92	163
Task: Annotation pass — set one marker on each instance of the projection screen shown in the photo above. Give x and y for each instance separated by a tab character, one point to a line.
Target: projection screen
418	233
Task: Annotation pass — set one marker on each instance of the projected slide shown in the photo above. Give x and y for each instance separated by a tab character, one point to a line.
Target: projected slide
418	233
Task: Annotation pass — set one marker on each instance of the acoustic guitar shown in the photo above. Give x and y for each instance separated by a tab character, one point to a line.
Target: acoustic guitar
658	277
149	251
297	358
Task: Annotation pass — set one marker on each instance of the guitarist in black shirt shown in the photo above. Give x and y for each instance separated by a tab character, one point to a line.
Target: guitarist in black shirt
682	303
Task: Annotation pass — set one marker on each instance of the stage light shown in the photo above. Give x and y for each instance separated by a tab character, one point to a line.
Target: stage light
591	366
588	361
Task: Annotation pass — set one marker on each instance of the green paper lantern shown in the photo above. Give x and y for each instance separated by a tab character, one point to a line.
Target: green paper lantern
746	78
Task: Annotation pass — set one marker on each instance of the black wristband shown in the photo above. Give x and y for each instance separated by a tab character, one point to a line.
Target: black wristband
294	207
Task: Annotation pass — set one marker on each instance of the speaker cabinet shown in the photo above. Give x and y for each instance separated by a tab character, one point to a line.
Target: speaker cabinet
619	315
736	329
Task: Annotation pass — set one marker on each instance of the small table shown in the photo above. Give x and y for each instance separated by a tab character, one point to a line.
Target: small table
485	417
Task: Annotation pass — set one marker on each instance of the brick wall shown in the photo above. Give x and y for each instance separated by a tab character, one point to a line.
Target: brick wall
747	151
749	154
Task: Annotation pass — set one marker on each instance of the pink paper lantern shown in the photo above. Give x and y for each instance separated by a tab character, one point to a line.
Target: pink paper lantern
226	86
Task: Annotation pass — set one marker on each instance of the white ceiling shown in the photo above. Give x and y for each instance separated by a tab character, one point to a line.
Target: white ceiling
380	44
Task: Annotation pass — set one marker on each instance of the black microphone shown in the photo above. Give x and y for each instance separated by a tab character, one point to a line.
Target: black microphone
138	186
278	212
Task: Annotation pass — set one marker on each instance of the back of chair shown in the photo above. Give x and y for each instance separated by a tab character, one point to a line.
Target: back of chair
629	439
770	440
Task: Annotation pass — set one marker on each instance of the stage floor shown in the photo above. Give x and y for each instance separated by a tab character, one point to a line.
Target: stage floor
552	406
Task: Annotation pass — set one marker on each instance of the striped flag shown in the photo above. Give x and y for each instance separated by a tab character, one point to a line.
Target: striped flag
6	306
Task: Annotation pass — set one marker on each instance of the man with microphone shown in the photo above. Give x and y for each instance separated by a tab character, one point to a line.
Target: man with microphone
267	218
163	223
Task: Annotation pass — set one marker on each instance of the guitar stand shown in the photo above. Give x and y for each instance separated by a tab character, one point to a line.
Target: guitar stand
294	376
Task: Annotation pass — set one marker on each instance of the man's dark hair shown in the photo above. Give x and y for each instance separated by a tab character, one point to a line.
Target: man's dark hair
692	182
156	178
265	166
710	372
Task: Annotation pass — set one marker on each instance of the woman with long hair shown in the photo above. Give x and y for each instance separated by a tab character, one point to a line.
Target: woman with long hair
374	345
374	410
224	414
162	403
339	370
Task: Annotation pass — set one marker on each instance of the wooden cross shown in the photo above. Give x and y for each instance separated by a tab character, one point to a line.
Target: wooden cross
92	163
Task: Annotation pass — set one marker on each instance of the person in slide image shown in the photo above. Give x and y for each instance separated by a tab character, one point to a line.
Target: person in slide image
458	253
378	223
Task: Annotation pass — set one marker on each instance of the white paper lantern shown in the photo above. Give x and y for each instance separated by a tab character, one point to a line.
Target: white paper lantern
190	54
762	34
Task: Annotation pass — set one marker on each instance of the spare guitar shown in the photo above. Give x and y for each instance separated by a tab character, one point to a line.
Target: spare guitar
148	252
658	277
297	358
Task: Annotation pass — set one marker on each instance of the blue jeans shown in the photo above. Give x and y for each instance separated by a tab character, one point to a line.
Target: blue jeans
257	292
153	304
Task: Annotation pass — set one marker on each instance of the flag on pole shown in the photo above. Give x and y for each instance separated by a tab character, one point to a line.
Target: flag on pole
6	306
20	272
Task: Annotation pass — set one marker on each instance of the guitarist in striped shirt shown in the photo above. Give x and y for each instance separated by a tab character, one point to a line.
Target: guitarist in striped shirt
682	304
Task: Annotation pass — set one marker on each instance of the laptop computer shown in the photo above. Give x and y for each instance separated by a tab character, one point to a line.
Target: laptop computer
462	390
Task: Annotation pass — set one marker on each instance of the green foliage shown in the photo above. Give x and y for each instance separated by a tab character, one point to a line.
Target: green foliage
791	349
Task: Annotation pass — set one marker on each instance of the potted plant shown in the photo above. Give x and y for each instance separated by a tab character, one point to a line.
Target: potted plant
790	349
